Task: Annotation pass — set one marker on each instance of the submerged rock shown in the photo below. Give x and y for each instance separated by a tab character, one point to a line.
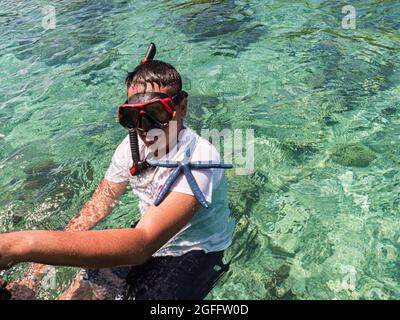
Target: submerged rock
275	284
354	154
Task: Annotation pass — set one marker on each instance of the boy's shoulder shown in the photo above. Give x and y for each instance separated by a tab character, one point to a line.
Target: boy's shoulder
204	150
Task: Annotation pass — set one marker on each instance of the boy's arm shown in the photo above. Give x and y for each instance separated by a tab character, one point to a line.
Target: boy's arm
100	205
103	248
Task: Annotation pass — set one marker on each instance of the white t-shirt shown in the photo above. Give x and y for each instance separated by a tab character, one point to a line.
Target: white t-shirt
210	229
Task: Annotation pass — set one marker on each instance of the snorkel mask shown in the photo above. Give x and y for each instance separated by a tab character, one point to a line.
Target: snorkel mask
146	111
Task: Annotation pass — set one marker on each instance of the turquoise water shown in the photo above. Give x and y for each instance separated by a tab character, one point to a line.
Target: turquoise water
318	219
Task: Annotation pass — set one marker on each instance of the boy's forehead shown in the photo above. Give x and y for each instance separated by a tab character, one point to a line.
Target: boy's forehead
149	88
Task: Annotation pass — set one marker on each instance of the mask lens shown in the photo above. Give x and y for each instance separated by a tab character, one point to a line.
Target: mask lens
147	123
157	111
128	117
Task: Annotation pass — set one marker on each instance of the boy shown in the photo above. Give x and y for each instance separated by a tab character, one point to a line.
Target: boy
172	251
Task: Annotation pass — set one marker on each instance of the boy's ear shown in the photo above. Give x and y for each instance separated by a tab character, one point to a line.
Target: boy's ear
183	106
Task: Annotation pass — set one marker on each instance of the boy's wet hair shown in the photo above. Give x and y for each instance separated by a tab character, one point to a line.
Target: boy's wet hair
155	71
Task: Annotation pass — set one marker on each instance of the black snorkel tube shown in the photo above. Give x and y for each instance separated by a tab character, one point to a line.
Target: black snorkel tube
150	54
139	166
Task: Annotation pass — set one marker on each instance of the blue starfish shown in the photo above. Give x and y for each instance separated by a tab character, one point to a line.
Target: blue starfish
185	167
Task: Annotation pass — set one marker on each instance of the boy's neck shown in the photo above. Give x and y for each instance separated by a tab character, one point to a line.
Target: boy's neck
170	146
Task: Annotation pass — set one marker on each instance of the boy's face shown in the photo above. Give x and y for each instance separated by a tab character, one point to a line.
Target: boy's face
171	132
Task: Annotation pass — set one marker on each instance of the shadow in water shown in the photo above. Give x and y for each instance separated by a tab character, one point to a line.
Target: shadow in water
83	26
232	28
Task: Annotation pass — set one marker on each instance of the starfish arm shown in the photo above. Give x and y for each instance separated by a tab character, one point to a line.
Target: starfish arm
209	165
195	187
167	185
188	152
163	163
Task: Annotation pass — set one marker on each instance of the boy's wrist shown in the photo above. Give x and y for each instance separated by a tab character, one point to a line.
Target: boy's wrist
20	246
